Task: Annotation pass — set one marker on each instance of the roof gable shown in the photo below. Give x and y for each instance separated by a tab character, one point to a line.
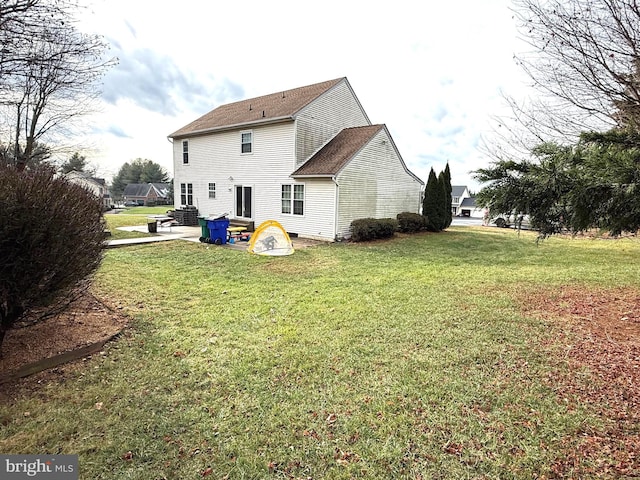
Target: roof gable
458	190
143	189
268	108
331	158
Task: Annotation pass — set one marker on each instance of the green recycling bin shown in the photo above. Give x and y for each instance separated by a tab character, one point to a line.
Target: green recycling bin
204	233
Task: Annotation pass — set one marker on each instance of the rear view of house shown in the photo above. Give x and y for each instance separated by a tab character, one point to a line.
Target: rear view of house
308	158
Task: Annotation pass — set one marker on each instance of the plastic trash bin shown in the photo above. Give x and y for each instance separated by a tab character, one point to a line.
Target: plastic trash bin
204	229
218	230
152	226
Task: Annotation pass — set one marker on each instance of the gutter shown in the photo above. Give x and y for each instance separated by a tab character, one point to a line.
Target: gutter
235	126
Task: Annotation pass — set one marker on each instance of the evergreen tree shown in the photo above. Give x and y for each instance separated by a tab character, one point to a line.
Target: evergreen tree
442	205
138	171
591	184
76	163
448	200
432	205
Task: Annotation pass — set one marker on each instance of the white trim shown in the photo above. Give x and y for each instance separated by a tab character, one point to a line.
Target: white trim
292	199
251	144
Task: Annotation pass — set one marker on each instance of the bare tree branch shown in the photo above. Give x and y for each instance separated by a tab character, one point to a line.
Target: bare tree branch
48	72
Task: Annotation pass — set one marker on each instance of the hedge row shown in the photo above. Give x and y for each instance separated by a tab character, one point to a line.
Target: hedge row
411	222
365	229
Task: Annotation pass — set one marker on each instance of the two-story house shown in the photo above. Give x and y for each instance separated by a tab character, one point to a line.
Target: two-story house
308	158
97	186
463	204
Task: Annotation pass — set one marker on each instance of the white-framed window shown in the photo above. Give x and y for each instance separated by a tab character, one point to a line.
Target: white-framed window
212	190
292	199
455	200
186	194
185	151
246	142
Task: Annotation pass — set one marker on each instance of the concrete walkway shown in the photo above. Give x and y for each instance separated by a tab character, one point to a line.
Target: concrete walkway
191	234
164	234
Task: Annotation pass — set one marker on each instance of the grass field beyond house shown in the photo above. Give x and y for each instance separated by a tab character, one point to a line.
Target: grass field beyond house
409	358
132	217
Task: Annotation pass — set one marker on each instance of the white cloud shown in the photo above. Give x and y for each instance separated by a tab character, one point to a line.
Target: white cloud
432	72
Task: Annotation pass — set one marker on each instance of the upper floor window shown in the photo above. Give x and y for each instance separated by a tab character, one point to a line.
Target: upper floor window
212	190
246	142
185	151
455	200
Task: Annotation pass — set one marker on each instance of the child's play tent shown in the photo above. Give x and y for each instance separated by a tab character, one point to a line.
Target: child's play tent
270	238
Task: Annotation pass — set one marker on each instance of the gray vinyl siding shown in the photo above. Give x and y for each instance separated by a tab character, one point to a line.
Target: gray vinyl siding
323	118
375	184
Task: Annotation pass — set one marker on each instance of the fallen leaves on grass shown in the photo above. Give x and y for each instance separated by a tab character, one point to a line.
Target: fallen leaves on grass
600	334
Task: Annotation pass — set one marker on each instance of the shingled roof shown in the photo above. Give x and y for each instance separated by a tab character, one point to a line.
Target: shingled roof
268	108
331	158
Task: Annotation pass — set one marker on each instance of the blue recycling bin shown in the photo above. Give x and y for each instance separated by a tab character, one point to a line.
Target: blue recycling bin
218	230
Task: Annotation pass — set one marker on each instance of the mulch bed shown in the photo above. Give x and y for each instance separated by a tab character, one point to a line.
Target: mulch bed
82	329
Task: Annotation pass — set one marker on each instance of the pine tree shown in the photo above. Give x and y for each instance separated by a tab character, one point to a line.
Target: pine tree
432	203
449	190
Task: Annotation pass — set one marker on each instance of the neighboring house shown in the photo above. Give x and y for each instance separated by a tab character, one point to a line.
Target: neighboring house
468	208
458	194
463	204
308	158
97	186
147	194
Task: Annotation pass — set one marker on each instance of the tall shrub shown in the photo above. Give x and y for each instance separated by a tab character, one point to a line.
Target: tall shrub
432	205
51	241
448	198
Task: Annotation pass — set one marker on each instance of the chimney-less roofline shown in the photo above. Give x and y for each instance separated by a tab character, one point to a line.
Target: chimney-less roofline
236	126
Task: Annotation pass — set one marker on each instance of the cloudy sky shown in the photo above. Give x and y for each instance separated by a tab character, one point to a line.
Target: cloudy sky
433	72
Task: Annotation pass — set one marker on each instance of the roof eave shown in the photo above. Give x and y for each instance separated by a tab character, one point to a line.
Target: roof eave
236	126
312	175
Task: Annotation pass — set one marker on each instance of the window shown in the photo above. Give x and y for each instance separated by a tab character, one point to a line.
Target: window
246	142
186	193
286	198
455	200
185	151
212	190
293	199
298	199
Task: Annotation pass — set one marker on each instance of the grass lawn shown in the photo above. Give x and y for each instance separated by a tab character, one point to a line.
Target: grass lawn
132	217
409	358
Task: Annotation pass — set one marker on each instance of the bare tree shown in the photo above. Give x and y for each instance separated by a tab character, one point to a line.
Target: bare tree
49	72
586	53
584	64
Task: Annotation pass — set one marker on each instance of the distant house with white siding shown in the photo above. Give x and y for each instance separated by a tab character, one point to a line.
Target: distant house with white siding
308	158
463	204
97	186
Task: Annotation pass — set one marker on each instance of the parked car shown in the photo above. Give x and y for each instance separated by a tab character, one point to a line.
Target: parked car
513	221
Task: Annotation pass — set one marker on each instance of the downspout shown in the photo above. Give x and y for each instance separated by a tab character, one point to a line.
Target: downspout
335	213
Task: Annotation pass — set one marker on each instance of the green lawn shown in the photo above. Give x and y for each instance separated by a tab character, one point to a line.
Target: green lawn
409	358
132	217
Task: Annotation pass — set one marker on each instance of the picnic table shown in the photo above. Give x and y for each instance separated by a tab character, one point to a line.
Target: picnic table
155	221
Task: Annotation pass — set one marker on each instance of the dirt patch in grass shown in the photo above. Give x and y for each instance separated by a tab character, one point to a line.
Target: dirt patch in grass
86	322
600	338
